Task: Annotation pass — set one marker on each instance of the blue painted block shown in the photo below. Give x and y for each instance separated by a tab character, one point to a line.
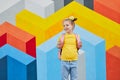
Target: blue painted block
32	71
47	60
94	48
101	62
41	65
53	65
20	66
3	66
16	70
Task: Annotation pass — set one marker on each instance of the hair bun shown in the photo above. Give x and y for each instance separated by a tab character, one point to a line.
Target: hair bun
75	19
72	18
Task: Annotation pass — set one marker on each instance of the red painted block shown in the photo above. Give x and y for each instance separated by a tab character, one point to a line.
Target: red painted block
108	8
113	63
3	39
18	38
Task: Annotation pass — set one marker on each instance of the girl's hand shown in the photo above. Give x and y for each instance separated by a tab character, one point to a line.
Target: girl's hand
59	54
79	45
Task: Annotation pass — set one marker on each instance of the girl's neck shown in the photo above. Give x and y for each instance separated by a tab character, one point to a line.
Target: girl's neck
69	32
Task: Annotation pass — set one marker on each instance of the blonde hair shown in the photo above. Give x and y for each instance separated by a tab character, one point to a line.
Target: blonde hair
71	19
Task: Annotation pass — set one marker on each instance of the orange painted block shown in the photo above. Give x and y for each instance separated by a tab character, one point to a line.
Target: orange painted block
113	63
108	8
18	38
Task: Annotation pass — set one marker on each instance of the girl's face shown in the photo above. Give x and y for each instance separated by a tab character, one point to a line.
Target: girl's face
68	27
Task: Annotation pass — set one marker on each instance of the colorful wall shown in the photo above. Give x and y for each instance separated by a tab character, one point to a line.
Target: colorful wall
29	30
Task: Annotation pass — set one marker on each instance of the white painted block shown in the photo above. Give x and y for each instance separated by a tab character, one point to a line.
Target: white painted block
9	9
43	8
81	66
58	4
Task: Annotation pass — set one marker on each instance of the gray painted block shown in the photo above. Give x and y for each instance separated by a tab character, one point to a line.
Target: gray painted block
88	3
67	2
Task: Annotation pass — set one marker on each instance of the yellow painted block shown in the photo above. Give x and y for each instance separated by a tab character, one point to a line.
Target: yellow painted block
98	24
43	29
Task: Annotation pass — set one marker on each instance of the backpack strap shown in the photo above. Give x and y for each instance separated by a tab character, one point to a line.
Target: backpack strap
62	39
62	43
77	38
78	41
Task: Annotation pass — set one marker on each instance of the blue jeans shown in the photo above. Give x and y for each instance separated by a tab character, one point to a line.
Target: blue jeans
69	68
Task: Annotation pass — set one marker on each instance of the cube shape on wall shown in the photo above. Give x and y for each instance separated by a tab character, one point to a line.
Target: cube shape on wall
20	66
18	38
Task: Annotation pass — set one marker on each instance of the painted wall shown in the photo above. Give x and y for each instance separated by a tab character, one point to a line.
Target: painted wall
29	30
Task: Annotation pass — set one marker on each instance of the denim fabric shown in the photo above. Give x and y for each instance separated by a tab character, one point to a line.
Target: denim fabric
69	68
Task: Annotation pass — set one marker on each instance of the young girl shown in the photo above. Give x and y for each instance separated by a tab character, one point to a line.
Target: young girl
69	47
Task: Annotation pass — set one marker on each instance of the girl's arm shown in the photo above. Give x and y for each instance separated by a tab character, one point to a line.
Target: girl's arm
60	41
59	45
79	43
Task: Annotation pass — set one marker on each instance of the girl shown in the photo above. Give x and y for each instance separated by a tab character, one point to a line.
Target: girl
69	43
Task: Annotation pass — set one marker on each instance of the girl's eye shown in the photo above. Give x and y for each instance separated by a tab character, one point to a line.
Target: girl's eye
67	25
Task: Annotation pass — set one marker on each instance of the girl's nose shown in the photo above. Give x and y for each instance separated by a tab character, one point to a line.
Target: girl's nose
66	26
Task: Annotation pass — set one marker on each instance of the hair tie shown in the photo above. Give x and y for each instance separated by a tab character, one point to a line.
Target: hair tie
71	18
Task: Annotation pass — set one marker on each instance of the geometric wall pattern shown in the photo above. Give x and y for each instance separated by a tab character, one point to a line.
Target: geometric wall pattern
14	36
16	65
29	30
